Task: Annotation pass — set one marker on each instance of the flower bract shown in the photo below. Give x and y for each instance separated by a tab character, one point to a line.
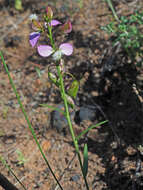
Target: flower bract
36	25
67	27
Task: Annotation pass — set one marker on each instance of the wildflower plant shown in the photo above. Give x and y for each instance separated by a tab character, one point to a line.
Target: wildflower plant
20	157
58	75
67	94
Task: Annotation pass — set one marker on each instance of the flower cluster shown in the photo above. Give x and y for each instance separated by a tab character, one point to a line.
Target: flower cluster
39	27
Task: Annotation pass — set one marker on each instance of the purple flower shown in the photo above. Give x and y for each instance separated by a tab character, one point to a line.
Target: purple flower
45	50
34	36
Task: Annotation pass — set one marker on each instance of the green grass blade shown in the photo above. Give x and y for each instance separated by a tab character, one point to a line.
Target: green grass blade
109	2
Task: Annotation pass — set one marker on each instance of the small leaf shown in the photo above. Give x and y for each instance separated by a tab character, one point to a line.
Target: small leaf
53	108
38	72
89	128
18	5
73	89
20	157
85	161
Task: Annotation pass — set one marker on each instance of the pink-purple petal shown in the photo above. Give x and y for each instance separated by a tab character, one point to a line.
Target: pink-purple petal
45	50
66	48
54	22
33	38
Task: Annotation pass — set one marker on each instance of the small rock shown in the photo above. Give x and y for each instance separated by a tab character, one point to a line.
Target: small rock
131	151
75	178
114	145
87	113
59	121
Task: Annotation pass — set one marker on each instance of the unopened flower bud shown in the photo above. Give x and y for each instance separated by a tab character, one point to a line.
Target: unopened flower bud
49	13
62	68
70	101
52	77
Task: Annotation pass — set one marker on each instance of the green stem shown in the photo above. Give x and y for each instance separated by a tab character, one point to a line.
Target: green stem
51	36
27	120
62	90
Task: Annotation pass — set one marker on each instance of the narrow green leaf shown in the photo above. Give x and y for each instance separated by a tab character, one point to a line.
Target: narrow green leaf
88	129
53	108
109	2
85	161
